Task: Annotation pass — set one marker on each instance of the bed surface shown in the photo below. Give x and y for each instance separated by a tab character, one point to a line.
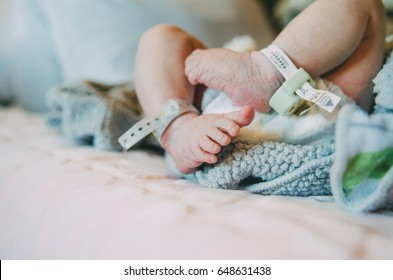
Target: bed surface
63	201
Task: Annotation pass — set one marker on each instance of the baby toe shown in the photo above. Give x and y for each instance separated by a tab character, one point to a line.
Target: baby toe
228	126
218	136
209	146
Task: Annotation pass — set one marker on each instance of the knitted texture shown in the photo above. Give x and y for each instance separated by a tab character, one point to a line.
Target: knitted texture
270	168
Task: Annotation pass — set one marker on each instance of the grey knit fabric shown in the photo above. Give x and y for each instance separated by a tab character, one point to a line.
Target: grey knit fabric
269	168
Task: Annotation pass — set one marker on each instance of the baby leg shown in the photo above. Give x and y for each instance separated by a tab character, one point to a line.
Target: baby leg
159	67
341	40
159	75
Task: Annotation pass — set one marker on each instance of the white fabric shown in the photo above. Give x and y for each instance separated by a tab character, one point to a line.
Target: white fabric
311	128
66	40
61	201
98	39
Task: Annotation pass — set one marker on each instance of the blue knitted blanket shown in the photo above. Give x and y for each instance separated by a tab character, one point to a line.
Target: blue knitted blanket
267	167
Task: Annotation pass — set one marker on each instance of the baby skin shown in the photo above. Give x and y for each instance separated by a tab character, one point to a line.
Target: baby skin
209	132
181	66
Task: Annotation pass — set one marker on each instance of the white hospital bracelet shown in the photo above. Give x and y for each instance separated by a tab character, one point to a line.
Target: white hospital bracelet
325	99
172	109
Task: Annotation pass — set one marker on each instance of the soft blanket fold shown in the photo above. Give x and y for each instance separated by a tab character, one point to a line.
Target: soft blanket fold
93	113
362	175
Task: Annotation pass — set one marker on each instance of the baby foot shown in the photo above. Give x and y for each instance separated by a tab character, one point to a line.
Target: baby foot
194	139
247	78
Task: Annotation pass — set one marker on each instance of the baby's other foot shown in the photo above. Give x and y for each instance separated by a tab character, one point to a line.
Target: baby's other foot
247	78
194	139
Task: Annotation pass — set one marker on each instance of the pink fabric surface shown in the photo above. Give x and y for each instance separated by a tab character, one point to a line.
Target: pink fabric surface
62	201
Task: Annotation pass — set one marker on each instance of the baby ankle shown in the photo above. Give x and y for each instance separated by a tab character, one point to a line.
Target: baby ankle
166	137
270	78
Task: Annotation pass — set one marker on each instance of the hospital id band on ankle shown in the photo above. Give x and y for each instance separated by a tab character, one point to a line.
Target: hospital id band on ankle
325	99
172	109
